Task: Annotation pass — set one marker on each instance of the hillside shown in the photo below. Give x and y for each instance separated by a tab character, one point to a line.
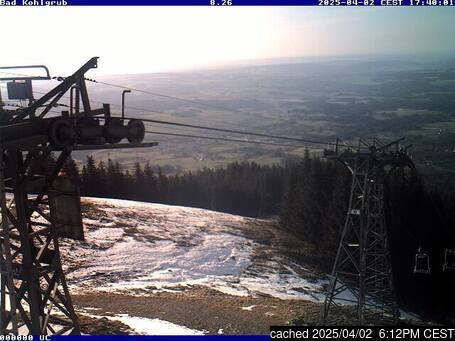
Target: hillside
167	269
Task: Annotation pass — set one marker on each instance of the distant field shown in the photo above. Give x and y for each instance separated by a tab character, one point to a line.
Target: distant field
347	99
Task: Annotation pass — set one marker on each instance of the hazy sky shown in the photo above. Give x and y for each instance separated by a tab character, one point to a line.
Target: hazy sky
151	39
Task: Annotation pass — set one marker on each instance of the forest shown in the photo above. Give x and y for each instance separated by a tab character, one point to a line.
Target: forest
309	197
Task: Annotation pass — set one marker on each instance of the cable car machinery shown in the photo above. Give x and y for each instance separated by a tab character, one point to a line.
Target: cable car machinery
34	293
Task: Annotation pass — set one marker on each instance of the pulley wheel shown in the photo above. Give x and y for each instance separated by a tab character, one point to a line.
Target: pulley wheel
136	131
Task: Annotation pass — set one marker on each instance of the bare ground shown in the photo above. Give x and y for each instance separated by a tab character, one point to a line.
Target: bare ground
102	326
206	309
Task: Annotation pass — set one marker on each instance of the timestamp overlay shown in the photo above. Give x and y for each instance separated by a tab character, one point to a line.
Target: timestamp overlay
229	3
362	333
386	2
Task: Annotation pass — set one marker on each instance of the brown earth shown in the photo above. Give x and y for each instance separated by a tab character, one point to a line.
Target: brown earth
205	309
102	326
209	310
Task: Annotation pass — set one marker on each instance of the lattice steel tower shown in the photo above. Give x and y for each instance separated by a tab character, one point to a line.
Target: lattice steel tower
361	276
42	205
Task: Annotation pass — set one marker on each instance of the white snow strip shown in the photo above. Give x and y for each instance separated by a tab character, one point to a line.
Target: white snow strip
146	326
138	247
249	308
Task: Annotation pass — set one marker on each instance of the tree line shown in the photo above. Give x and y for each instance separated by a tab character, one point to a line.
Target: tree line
245	188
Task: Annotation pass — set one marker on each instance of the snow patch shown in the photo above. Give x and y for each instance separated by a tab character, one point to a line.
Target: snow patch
146	326
249	308
142	247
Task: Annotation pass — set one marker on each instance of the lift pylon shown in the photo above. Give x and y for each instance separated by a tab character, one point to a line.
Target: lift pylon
361	277
35	144
32	276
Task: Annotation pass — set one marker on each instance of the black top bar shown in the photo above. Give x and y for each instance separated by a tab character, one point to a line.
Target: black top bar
21	78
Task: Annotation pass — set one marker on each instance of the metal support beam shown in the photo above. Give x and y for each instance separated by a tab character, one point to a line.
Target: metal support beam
34	296
123	103
32	273
8	297
362	271
59	90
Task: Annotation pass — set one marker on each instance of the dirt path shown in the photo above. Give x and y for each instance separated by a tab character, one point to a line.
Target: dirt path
205	310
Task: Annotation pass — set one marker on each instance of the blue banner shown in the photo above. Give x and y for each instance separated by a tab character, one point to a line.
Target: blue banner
227	3
164	338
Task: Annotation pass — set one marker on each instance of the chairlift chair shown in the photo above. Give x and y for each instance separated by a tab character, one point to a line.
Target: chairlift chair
422	263
449	261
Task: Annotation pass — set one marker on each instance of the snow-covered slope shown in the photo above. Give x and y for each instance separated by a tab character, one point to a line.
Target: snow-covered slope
142	247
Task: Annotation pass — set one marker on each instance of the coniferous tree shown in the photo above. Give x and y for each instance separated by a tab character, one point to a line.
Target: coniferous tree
91	177
151	183
101	177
